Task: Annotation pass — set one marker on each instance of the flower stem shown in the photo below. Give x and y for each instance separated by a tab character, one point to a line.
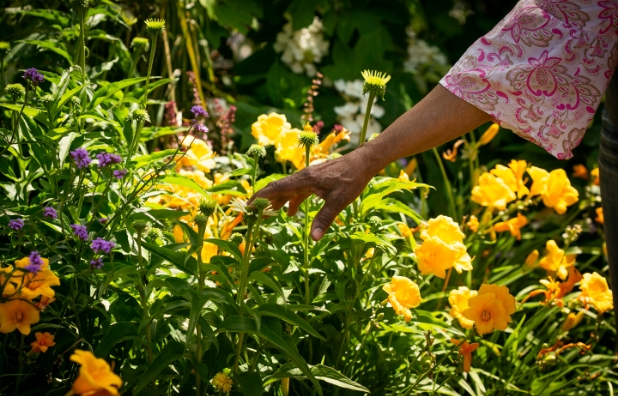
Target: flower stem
447	184
82	44
153	47
255	169
307	232
366	121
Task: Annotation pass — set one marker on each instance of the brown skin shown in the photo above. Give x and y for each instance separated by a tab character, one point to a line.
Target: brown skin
437	119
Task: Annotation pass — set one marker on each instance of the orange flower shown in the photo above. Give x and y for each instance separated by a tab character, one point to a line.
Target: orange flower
473	223
405	230
458	298
572	320
492	192
39	284
595	173
288	148
403	294
330	140
556	261
580	172
95	376
554	187
17	314
491	308
513	176
451	155
44	303
411	167
268	129
513	225
532	258
465	350
600	218
42	343
489	134
595	292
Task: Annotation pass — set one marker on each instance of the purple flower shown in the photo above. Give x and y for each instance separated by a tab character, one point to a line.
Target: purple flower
119	174
50	212
198	111
97	263
200	128
36	262
16	224
33	76
106	159
81	231
81	158
101	245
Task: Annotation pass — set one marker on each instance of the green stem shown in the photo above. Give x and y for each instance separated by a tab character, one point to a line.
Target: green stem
200	286
366	121
138	54
153	47
307	232
255	169
447	184
82	44
2	74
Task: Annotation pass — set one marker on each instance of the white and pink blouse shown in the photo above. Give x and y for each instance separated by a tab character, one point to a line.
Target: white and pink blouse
542	70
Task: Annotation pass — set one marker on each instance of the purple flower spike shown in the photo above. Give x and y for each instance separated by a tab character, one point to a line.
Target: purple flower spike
198	111
97	263
36	262
33	76
81	158
16	224
50	212
101	245
119	174
106	159
80	231
199	128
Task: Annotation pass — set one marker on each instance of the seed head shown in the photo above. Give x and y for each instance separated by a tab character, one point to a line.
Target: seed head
155	233
375	83
46	99
76	101
4	47
375	221
200	219
236	238
16	91
308	139
261	203
139	115
140	43
140	226
256	149
208	206
154	27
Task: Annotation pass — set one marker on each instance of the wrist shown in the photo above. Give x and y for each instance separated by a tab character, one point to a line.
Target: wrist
368	159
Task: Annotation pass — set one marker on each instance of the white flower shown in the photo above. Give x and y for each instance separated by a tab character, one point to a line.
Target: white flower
352	113
421	53
302	49
348	109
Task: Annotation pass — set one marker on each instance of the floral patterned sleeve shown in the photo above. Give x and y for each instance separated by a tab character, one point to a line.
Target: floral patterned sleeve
542	70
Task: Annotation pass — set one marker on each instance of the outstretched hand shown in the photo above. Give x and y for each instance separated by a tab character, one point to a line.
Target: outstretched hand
338	182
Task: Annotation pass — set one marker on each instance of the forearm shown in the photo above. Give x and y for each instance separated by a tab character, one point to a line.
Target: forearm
437	119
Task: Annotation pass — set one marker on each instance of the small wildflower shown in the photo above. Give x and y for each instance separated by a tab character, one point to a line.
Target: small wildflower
222	382
140	43
106	159
35	262
200	128
208	206
489	134
375	83
465	350
101	245
155	27
119	173
33	76
80	231
16	224
256	149
16	91
48	211
42	343
81	158
96	263
199	111
139	115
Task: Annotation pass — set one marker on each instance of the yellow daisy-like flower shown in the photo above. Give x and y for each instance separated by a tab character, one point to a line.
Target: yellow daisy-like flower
155	26
554	187
458	298
403	294
492	191
491	308
95	376
595	292
375	82
513	225
269	129
489	134
222	382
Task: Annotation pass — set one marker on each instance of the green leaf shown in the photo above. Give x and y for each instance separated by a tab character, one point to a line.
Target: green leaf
250	383
105	92
176	258
29	111
53	46
260	184
172	352
118	332
227	246
144	160
321	372
264	279
231	187
289	316
63	100
185	181
64	146
239	324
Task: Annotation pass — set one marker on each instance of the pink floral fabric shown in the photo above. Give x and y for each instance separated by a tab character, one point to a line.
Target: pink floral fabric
542	70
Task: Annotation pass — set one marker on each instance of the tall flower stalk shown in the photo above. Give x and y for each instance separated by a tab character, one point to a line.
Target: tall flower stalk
154	27
81	6
255	151
4	49
375	85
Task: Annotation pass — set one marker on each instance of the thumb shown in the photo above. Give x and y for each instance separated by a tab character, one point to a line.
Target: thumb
325	218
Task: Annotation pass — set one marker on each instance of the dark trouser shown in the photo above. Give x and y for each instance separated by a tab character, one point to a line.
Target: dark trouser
608	173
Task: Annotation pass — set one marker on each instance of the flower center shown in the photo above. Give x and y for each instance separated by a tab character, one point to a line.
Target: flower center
486	315
19	316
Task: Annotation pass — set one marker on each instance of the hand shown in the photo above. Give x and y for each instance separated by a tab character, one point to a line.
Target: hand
338	182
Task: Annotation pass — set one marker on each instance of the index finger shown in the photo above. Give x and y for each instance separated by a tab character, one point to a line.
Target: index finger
283	188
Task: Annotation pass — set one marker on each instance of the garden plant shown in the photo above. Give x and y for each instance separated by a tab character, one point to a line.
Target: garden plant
132	136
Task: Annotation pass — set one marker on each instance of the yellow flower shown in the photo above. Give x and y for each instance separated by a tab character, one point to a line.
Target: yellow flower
491	308
23	263
595	173
375	82
513	225
580	171
403	176
600	218
42	343
473	223
17	314
444	228
199	155
532	258
458	298
442	248
405	230
288	148
403	294
465	350
595	292
555	260
492	191
222	382
519	169
489	134
451	155
268	129
554	187
30	286
95	376
572	320
179	235
411	167
329	141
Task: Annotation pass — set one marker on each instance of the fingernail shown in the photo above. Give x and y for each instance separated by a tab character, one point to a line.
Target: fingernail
317	234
